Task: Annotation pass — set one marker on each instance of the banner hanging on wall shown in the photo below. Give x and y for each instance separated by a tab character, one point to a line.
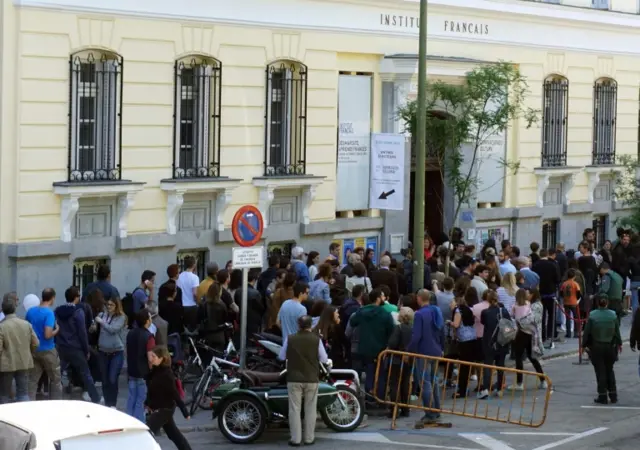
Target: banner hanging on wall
354	142
387	171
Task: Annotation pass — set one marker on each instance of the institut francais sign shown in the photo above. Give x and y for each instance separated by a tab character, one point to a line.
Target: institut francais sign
450	26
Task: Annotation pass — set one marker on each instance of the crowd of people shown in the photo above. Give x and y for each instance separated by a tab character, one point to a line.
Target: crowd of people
357	310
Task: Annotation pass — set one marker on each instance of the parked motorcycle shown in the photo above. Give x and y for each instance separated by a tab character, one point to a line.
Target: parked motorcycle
245	406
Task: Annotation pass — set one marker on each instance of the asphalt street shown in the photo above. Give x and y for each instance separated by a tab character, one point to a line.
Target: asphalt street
572	422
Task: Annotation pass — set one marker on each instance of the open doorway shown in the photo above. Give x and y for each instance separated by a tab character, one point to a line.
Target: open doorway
434	191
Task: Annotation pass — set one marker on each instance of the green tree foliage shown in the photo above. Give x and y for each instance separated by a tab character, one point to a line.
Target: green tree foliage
490	98
627	191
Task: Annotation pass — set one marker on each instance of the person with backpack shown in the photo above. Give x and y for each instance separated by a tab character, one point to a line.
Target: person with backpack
137	299
571	294
499	332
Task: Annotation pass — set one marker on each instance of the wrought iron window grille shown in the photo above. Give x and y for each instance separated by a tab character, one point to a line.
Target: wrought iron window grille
86	272
197	107
605	102
201	261
95	118
550	234
554	122
285	120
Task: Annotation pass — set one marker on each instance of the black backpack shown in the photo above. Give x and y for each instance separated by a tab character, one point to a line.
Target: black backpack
127	307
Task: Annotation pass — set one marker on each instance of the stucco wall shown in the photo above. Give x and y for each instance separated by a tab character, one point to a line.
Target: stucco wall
44	39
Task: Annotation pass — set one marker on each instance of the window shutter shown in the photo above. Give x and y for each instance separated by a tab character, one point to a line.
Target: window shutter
204	94
108	113
179	68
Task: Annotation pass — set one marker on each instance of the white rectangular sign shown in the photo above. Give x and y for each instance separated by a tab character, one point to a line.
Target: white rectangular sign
248	257
387	171
354	142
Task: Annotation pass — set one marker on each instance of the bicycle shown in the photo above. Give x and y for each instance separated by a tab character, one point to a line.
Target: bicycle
214	375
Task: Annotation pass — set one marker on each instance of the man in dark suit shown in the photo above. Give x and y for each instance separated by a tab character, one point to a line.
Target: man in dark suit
386	277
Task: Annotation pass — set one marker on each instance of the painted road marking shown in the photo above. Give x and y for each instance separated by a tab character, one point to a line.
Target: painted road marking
533	433
486	441
571	439
379	438
612	407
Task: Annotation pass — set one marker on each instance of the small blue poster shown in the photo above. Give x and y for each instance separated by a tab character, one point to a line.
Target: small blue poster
347	247
372	243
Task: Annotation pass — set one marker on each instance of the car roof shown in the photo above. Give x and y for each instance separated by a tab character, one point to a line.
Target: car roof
53	420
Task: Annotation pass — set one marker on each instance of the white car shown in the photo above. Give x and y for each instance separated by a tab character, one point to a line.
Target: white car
70	425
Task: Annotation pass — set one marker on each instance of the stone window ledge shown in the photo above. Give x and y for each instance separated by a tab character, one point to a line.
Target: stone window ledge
545	174
268	185
595	173
124	190
221	187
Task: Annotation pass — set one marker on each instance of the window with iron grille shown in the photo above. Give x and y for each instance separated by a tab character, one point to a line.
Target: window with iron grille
605	100
600	229
285	119
85	271
550	234
554	122
280	249
95	125
201	261
197	118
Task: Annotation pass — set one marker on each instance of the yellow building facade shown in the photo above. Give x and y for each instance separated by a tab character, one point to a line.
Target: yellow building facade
132	132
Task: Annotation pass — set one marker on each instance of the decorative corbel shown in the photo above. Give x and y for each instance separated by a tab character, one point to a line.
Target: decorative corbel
68	210
223	200
543	184
175	199
264	202
308	194
125	204
594	180
569	182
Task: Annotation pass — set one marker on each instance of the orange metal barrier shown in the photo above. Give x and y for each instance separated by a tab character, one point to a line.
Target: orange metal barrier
526	406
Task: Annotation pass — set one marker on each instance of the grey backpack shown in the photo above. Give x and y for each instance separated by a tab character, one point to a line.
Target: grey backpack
505	332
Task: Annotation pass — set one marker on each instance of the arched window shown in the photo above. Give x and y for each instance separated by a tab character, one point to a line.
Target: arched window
605	101
555	108
285	119
197	118
95	116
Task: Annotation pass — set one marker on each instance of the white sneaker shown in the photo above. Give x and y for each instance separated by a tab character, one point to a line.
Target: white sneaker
543	385
86	397
483	394
474	378
516	387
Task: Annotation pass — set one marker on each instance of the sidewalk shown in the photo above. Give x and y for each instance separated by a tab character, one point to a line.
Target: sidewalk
202	420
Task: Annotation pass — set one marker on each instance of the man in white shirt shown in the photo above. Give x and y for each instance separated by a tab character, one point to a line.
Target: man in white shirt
188	281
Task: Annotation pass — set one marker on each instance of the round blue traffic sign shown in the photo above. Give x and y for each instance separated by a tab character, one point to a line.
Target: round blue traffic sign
247	226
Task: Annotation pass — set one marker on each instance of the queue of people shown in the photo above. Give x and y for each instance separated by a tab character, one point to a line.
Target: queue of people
354	311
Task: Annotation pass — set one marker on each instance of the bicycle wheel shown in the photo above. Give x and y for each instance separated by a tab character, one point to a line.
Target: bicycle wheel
199	389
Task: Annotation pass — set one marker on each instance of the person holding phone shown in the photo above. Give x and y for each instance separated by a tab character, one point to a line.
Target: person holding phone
143	294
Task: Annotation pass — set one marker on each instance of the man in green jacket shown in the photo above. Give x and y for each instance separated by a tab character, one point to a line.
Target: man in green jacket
601	339
612	286
375	326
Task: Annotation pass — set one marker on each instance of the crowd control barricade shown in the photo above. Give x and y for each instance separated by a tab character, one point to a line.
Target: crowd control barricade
526	406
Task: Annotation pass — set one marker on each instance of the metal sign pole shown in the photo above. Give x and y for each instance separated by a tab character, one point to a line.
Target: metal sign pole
243	319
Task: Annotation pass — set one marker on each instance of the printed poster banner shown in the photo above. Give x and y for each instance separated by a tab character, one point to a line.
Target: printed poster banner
387	171
372	243
347	247
354	142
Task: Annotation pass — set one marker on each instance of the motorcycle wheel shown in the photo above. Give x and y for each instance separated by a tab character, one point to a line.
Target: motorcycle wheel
242	419
346	413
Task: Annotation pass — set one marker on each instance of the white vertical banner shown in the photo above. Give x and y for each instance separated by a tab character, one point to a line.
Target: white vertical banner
387	171
354	142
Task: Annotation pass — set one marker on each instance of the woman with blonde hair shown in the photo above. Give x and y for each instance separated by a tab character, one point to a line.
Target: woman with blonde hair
111	343
507	292
401	373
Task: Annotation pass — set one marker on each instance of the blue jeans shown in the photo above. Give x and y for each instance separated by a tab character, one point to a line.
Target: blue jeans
634	285
425	371
21	378
110	366
77	360
137	396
